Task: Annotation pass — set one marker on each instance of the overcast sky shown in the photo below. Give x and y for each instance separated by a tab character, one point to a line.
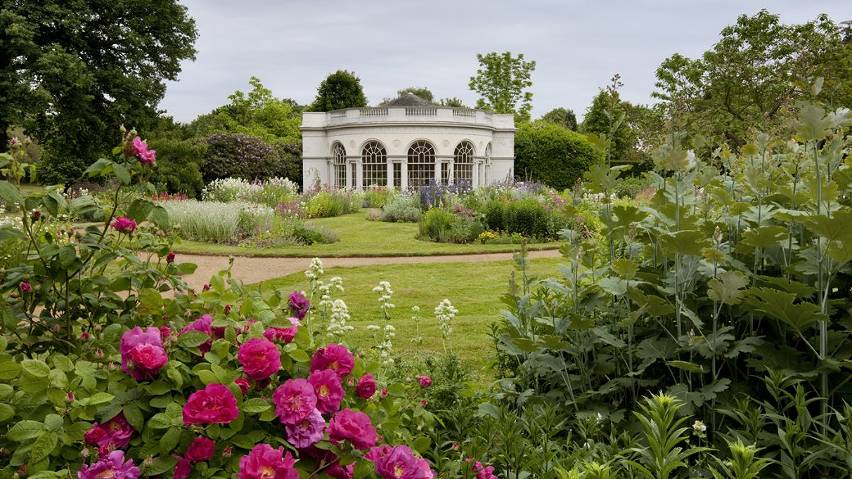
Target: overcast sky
291	45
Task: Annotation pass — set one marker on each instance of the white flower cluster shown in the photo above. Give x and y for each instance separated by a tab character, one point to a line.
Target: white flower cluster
385	294
337	327
415	318
445	312
385	346
325	289
238	189
315	270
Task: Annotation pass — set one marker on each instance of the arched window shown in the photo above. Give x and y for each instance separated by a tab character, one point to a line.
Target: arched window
463	164
421	164
338	155
375	162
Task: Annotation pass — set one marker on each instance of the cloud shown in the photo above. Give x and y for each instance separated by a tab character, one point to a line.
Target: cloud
293	44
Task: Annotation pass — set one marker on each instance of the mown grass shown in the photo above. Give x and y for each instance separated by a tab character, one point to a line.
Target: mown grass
474	288
359	237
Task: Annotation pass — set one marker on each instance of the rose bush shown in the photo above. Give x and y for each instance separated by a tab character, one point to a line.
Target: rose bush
102	375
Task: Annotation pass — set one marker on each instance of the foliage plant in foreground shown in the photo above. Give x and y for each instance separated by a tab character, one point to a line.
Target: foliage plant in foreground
103	375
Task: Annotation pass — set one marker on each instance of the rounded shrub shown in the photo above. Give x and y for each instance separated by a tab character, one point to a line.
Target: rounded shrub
527	217
324	205
238	156
179	166
402	209
552	154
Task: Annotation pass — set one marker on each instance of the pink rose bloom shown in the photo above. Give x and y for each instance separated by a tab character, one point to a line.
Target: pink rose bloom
170	258
142	353
294	400
25	286
352	426
377	452
113	434
215	404
142	153
284	335
204	324
123	224
425	381
243	384
401	463
264	462
201	449
483	472
366	386
299	304
183	468
328	390
306	432
113	466
260	358
165	332
335	357
341	472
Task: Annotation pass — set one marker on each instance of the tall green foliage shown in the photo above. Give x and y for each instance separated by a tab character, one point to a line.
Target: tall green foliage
563	117
341	89
552	154
69	86
501	81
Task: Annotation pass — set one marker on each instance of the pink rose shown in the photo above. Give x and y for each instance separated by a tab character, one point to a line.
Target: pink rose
299	304
201	449
264	462
294	400
215	404
170	258
483	472
284	335
341	472
142	353
399	463
243	384
123	224
260	358
366	386
425	381
204	324
335	357
328	390
25	287
113	466
113	434
142	153
306	432
183	468
352	426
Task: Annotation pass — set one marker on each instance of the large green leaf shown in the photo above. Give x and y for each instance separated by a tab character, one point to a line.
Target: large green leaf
727	288
781	306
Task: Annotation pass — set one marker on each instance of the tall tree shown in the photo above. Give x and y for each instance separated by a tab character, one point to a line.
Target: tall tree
72	71
562	116
341	89
501	81
453	102
605	118
754	75
422	92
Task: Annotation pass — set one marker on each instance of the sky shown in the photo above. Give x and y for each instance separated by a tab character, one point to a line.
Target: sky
292	45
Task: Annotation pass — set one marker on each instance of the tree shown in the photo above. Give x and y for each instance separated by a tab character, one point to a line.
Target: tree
562	116
422	92
71	71
452	102
501	82
754	76
552	154
341	89
257	113
605	118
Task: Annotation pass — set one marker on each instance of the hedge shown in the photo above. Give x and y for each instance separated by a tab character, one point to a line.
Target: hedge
552	154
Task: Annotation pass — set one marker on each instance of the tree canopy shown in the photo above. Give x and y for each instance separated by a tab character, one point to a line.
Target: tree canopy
70	72
422	92
501	81
341	89
754	76
562	116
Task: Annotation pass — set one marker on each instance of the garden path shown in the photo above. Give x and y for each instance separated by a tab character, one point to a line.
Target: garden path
255	269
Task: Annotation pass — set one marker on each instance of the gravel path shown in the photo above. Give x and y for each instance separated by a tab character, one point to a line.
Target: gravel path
254	270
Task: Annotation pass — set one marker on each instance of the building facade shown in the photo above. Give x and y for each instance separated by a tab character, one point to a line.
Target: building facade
404	144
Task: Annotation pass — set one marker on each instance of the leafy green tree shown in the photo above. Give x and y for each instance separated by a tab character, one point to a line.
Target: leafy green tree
754	76
422	92
341	89
501	81
562	116
71	71
605	119
452	102
257	113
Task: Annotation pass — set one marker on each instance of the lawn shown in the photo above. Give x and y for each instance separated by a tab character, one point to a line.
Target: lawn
360	237
475	290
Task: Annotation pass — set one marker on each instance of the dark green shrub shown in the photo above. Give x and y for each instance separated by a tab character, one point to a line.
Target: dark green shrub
289	161
527	217
436	223
552	154
179	165
495	215
238	156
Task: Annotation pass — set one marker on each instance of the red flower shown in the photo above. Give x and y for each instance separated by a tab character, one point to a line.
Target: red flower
113	434
201	449
294	400
25	287
170	258
123	224
366	386
335	357
352	426
183	468
328	390
425	381
260	358
264	462
215	404
243	384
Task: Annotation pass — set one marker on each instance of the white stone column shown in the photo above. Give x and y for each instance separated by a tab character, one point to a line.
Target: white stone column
451	172
475	180
437	171
360	177
349	180
404	185
390	174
